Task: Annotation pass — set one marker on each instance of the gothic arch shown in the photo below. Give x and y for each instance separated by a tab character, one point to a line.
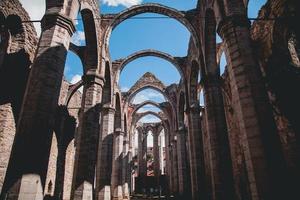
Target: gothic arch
149	102
150	8
148	80
151	52
139	116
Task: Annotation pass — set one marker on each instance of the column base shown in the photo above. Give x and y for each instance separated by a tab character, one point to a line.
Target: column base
126	195
118	193
105	193
29	187
84	192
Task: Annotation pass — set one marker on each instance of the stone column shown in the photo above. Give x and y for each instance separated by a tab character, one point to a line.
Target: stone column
116	177
267	173
104	158
142	154
125	169
26	173
174	166
219	151
197	169
183	184
168	163
87	138
156	155
65	131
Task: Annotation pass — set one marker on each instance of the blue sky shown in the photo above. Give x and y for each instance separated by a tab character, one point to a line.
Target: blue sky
166	35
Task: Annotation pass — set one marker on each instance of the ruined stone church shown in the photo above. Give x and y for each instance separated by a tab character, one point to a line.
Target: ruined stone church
242	144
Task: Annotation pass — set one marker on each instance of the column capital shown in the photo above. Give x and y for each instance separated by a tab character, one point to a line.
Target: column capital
232	21
92	77
108	108
195	108
118	131
52	19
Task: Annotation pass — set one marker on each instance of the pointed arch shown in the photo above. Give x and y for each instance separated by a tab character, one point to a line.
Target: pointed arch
150	8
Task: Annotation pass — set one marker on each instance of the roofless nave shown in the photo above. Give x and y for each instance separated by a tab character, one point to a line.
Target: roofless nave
242	144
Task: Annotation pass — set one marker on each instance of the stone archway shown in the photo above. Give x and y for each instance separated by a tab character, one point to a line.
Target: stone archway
151	8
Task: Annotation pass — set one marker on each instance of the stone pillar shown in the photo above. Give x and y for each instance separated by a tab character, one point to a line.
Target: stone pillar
87	138
168	163
142	154
7	135
197	169
156	155
174	166
219	151
267	173
125	169
64	130
104	158
26	173
116	177
183	184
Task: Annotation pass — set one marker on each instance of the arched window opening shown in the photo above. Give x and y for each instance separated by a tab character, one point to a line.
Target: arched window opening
150	30
162	152
254	7
150	154
223	63
73	69
14	24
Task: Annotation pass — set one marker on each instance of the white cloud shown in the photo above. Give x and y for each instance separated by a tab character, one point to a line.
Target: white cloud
75	79
126	3
124	89
148	95
36	10
78	38
149	119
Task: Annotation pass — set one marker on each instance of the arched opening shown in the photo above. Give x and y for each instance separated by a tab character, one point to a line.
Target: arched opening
223	63
14	24
161	68
150	8
150	154
254	7
162	152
